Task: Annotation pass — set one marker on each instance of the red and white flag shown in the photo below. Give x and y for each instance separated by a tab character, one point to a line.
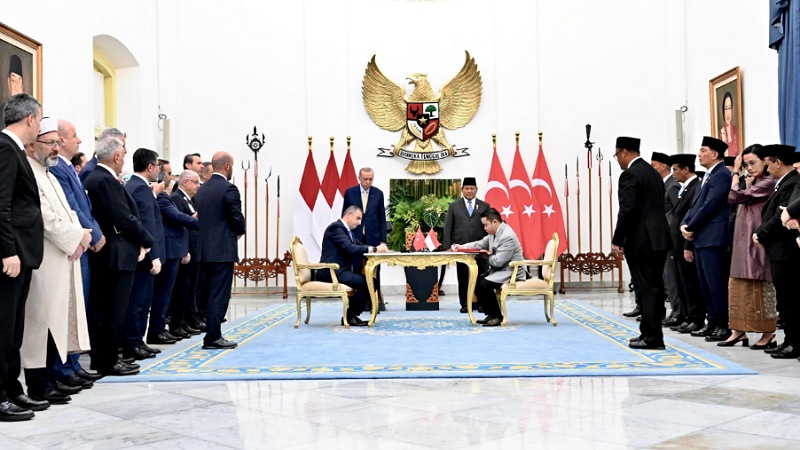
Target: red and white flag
498	193
419	240
529	210
324	213
348	178
431	240
303	211
552	214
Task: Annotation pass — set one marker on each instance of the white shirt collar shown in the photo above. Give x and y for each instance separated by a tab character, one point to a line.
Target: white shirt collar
108	169
64	158
16	138
220	175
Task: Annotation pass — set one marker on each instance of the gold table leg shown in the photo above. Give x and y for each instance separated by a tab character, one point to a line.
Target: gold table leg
369	273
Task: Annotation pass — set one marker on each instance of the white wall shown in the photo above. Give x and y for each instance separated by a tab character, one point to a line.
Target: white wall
295	69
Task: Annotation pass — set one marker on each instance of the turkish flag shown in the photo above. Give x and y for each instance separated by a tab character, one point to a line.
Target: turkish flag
498	193
419	240
303	210
552	216
529	230
431	240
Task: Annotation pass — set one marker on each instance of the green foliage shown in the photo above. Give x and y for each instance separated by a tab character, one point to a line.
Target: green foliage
407	212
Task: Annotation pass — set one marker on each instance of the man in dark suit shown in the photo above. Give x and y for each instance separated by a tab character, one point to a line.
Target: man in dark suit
113	267
78	201
642	236
90	165
682	255
706	225
183	305
145	172
373	223
463	224
780	246
21	248
663	165
340	246
219	209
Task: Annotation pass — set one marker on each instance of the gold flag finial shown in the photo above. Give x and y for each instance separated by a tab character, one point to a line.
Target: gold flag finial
348	143
540	138
494	140
331	143
309	143
516	135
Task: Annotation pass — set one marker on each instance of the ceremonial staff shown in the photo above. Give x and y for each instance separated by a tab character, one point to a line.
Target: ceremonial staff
255	145
578	195
610	209
588	144
278	223
245	168
266	219
566	202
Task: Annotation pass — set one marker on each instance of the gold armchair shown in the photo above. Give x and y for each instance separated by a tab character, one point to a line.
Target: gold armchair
307	288
534	286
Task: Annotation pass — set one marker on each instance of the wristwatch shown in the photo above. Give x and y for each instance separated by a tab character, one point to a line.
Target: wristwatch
371	249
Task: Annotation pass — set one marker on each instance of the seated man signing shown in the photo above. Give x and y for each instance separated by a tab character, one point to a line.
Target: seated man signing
339	247
502	246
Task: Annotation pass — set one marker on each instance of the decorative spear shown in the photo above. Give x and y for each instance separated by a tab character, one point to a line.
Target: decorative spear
255	145
566	201
610	209
578	195
600	198
278	223
246	168
266	208
589	144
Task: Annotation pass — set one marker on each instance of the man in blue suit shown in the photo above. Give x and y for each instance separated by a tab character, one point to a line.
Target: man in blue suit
145	168
372	230
706	225
219	208
183	305
340	246
78	201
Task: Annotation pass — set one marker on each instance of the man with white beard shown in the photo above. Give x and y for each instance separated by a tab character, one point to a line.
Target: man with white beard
55	316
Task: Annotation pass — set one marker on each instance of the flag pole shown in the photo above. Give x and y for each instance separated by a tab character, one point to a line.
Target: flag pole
278	222
266	208
566	201
600	198
610	210
578	195
588	144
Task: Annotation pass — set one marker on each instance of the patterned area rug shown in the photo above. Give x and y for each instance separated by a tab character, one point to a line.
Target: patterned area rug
406	344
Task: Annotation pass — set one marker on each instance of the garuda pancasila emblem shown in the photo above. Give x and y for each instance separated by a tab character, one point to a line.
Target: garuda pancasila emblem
422	115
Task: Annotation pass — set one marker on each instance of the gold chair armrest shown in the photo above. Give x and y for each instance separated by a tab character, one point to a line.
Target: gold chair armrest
333	266
529	262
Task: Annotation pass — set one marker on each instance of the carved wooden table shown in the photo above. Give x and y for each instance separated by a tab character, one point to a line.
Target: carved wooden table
420	260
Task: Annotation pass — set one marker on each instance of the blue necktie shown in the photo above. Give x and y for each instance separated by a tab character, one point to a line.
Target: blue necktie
469	207
350	232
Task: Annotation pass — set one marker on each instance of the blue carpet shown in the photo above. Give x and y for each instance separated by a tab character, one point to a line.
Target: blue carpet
409	344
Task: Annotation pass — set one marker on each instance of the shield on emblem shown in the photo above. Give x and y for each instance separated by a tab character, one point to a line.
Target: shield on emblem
423	119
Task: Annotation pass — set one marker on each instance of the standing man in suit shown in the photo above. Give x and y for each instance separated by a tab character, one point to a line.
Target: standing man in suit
663	165
340	246
463	224
780	246
183	305
682	255
145	172
502	246
219	209
114	265
90	165
76	196
642	236
706	225
372	230
21	247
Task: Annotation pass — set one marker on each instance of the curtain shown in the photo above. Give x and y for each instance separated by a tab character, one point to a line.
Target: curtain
784	33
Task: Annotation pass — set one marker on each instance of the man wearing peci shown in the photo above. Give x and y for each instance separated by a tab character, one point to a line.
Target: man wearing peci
642	236
372	230
21	246
462	225
219	210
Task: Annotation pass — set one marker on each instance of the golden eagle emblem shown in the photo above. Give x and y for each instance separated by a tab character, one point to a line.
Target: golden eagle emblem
422	115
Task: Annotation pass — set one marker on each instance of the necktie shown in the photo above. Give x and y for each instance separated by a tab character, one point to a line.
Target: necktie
469	207
350	233
680	192
364	198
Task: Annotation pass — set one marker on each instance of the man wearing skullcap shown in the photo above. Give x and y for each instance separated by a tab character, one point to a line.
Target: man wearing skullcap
642	236
663	165
706	225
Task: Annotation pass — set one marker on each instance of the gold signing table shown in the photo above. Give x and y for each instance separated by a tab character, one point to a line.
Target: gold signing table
420	260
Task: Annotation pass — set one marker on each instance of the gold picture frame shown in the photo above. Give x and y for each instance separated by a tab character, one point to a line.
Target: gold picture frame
24	54
727	113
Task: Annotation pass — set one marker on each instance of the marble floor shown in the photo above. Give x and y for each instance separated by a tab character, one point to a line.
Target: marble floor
711	412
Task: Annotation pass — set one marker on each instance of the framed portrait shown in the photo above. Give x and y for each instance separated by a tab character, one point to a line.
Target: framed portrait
20	64
727	124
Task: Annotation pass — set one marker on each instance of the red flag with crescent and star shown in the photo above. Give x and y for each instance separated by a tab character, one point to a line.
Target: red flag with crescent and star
552	216
529	210
498	193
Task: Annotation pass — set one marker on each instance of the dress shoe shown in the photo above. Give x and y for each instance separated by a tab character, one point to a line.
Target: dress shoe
672	322
139	354
643	345
25	402
169	335
354	322
131	366
381	307
52	396
635	312
120	369
160	339
152	350
88	376
731	342
74	380
769	345
359	320
787	352
64	389
690	328
179	332
703	332
463	310
776	349
127	360
675	328
720	334
637	338
224	344
191	330
480	309
493	322
200	325
484	320
638	318
10	412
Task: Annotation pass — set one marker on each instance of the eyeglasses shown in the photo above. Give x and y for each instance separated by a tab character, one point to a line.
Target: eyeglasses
616	154
53	143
